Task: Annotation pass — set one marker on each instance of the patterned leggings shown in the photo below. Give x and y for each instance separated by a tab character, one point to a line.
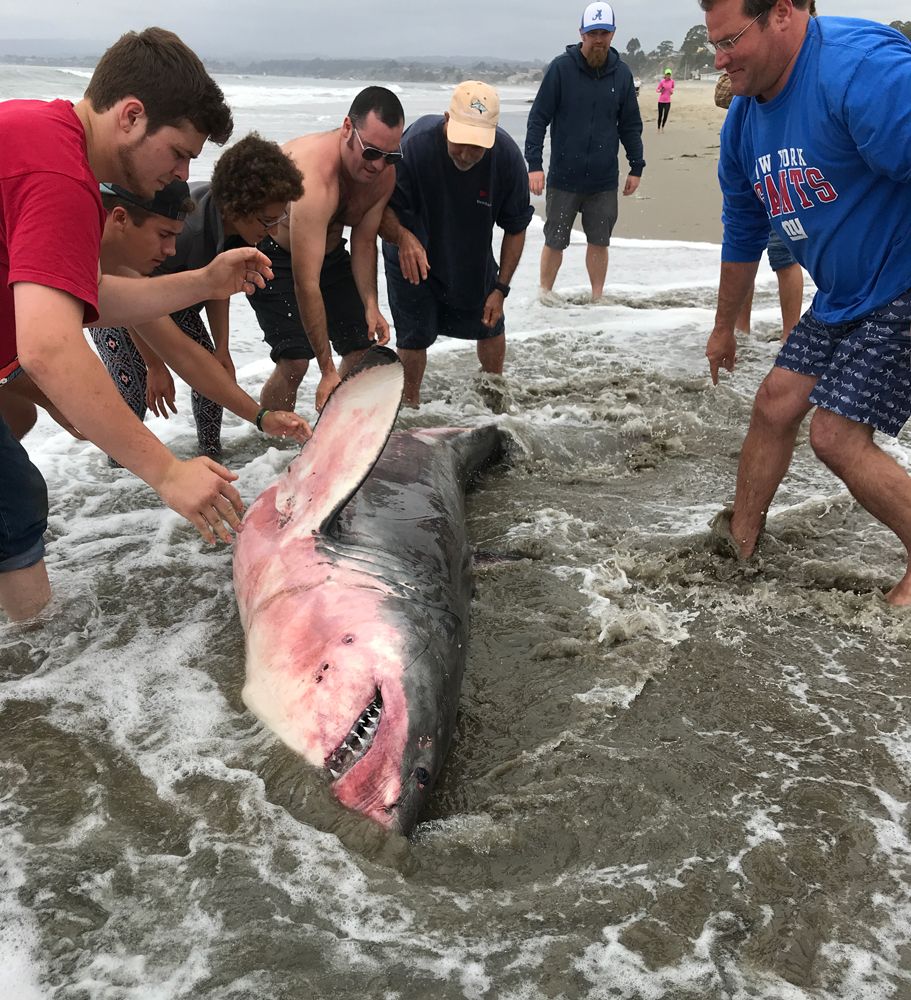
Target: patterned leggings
128	370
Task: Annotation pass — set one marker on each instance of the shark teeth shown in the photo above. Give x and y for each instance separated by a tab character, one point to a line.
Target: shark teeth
358	741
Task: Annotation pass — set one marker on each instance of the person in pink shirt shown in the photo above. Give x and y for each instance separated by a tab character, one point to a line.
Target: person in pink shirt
665	90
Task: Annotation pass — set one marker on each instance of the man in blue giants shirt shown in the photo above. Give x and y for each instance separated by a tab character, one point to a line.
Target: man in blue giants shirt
811	145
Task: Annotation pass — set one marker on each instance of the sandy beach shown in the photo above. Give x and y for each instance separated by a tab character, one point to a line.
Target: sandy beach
678	198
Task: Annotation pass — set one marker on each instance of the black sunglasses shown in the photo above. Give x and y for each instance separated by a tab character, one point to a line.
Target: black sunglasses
372	153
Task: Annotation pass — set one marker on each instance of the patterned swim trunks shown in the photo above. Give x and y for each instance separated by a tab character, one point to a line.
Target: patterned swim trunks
863	366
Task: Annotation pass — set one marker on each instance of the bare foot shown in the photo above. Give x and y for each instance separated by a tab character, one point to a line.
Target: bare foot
725	541
548	297
900	595
745	540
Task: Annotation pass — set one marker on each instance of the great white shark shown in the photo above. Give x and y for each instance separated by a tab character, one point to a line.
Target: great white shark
353	580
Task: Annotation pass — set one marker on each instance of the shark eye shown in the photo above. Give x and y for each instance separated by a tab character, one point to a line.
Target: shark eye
421	775
348	639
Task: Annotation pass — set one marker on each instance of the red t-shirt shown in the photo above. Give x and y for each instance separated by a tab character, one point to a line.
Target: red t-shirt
51	216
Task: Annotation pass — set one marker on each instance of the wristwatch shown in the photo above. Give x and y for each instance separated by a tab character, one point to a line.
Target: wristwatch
501	288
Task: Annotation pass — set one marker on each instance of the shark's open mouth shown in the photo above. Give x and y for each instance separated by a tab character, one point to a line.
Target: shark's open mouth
358	741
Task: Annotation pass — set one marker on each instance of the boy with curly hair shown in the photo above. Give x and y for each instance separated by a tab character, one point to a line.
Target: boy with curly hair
252	186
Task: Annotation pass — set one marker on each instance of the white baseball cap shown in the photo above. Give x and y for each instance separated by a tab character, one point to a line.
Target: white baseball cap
598	17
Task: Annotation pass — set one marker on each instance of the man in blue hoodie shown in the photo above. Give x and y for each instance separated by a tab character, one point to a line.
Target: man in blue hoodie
809	145
588	98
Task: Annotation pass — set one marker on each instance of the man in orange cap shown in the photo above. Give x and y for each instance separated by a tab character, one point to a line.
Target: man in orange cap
460	176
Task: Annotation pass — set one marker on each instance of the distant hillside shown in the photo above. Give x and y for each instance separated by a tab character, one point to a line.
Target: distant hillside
400	70
32	49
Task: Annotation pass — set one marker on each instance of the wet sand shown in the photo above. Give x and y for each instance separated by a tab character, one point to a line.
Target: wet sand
678	198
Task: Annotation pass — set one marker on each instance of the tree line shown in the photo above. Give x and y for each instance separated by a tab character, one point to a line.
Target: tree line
693	57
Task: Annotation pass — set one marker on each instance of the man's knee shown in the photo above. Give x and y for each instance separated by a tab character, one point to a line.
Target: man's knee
411	355
783	399
789	272
25	592
293	370
835	440
555	252
493	345
351	360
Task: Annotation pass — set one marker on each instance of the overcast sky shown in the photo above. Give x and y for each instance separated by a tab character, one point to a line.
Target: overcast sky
532	29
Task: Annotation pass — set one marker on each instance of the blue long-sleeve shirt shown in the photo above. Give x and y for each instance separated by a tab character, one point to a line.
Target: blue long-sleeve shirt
828	162
589	112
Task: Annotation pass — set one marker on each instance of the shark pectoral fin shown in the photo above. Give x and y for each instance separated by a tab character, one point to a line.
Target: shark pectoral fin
348	438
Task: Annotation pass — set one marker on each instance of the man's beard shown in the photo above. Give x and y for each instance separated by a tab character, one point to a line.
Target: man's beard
596	59
127	157
462	165
467	164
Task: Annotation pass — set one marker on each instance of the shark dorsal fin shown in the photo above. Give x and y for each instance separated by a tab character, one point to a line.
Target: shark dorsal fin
348	438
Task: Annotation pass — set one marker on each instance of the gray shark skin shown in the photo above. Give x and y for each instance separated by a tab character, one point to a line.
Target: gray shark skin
408	522
354	586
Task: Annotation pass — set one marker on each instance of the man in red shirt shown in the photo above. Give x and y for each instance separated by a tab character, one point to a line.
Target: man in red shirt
148	109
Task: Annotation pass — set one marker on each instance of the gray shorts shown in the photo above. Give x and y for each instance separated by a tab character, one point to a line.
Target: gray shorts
599	214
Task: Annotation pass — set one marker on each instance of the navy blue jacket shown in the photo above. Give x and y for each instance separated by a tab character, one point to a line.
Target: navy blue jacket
590	112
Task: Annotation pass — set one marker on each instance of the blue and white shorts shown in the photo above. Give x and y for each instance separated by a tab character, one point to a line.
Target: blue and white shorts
863	366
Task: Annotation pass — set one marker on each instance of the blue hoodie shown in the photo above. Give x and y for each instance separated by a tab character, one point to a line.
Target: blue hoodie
828	161
590	112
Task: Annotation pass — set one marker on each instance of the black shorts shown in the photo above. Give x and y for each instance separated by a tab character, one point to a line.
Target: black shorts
23	506
277	313
419	316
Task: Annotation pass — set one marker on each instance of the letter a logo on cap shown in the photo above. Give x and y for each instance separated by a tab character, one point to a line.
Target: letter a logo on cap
598	17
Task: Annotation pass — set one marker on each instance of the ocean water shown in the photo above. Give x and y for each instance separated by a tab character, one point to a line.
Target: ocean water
672	778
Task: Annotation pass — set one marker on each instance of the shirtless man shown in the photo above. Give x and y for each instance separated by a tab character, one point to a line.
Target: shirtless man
347	182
